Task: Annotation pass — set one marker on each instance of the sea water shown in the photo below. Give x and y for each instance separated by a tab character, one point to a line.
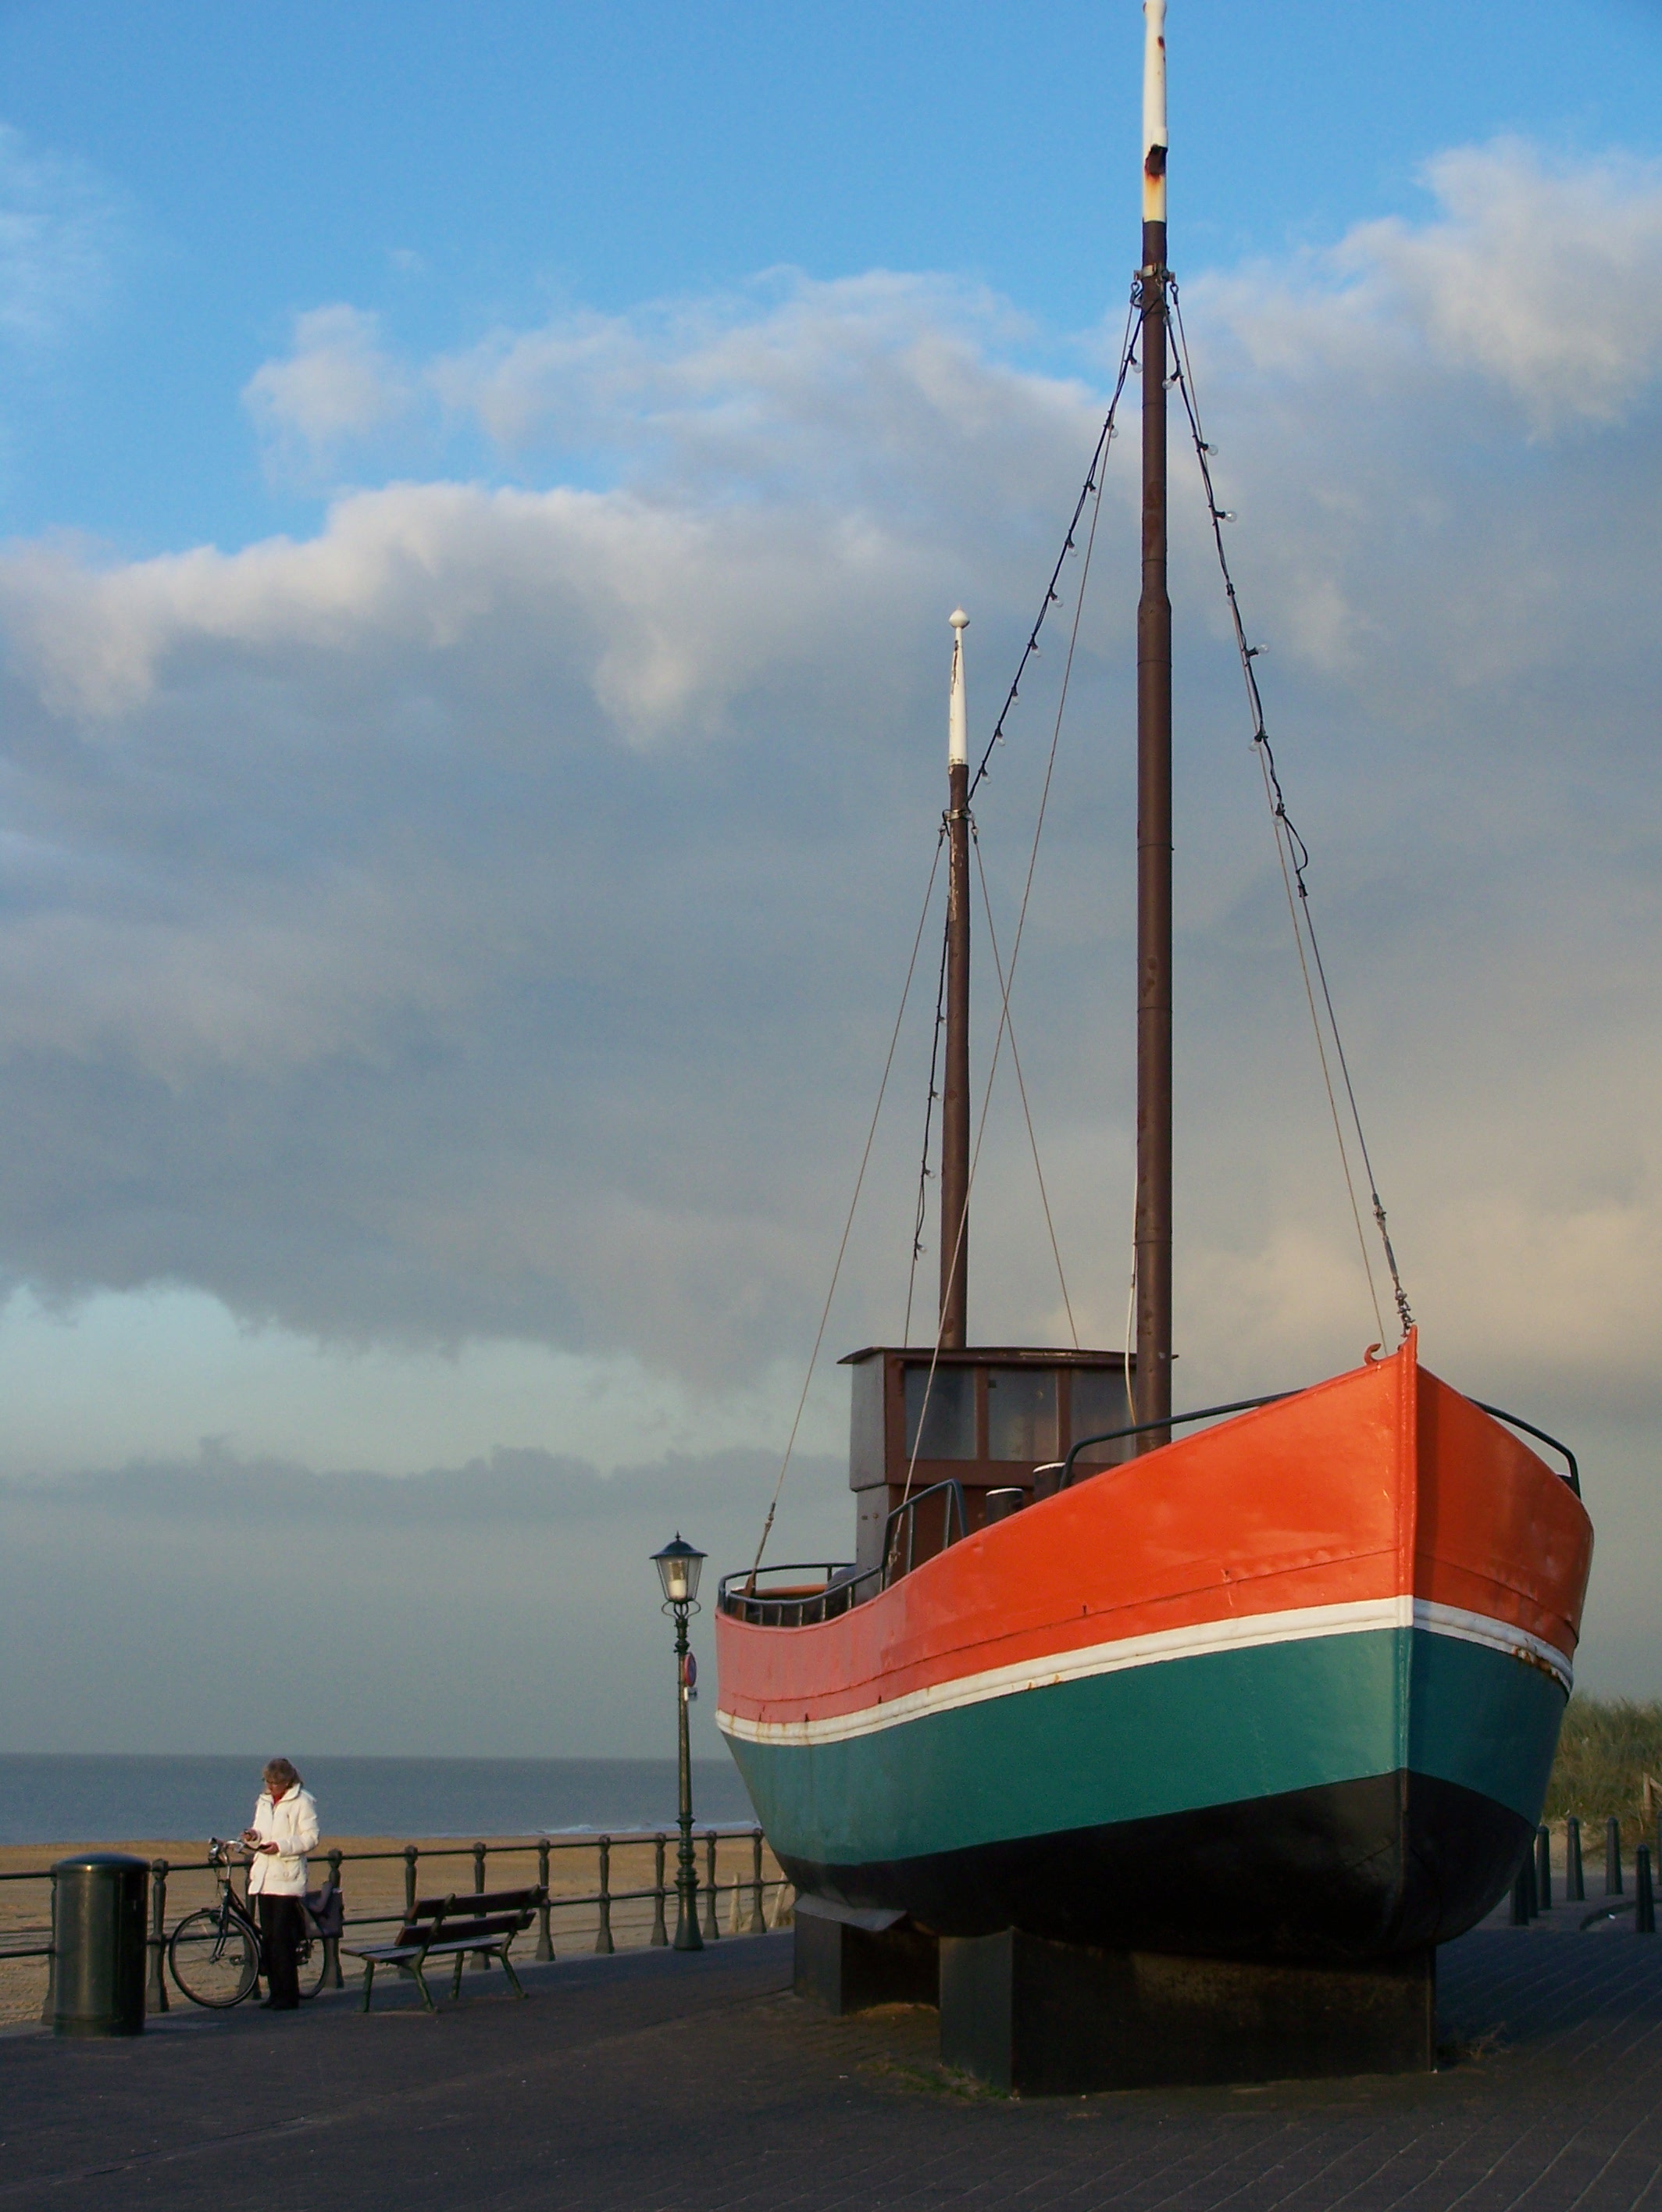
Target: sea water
48	1798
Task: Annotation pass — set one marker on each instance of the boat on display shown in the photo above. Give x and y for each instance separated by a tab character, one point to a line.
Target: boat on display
1284	1688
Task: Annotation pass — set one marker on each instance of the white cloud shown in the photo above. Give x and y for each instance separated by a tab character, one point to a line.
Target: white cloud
652	607
1543	277
59	227
794	382
336	383
480	919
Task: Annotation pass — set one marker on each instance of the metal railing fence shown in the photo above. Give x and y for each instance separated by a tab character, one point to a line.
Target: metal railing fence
1533	1891
620	1910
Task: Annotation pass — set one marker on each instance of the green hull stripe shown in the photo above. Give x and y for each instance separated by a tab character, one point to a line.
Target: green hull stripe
1214	1729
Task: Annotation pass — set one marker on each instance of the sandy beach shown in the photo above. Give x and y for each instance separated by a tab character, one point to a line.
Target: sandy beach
372	1879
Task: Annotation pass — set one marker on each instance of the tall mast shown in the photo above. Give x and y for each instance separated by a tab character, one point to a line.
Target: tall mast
1153	1387
954	1103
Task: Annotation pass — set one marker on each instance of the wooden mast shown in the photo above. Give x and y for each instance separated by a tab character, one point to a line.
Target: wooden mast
1152	1390
954	1100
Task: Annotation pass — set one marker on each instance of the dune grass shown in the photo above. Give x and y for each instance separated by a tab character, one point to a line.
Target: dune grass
1608	1749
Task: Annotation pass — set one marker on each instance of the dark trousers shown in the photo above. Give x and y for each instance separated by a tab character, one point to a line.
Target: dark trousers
280	1930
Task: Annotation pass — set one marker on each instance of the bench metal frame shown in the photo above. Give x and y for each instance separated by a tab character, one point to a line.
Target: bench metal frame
452	1928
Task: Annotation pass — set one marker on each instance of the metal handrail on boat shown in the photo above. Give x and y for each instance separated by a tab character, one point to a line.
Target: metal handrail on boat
1516	1421
800	1608
1170	1421
951	1492
792	1606
1274	1398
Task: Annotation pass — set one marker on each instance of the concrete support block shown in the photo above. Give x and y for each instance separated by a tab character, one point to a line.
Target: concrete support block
851	1960
1039	2018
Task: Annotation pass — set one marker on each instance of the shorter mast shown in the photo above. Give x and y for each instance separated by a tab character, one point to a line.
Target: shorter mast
955	1102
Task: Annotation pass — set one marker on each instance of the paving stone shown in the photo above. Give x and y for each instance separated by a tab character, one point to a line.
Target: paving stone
650	2082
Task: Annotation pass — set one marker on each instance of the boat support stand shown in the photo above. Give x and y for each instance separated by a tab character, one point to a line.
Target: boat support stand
1028	2015
851	1960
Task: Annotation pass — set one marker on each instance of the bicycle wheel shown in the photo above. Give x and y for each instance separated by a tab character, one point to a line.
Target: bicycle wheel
215	1962
313	1962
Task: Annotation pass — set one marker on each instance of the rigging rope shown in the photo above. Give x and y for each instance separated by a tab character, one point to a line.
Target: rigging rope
1293	855
1021	1086
1094	483
860	1180
1051	598
929	1115
1091	487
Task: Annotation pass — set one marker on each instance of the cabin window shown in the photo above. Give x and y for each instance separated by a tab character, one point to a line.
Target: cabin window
1022	1414
1099	1402
948	1419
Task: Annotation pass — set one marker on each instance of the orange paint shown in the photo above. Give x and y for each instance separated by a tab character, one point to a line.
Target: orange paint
1382	1483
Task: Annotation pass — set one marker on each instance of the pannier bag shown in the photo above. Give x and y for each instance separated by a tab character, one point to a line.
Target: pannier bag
326	1910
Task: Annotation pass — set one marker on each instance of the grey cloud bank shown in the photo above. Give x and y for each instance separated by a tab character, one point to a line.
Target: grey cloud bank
483	918
507	1608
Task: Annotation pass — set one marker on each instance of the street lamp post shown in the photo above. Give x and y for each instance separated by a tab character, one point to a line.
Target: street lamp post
678	1565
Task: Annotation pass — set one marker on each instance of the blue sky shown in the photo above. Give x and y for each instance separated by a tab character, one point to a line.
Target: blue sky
480	494
454	168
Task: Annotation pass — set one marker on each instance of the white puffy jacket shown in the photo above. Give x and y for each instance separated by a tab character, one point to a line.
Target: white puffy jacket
292	1824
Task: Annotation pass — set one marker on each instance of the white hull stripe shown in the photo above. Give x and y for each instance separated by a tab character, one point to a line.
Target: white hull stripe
1241	1633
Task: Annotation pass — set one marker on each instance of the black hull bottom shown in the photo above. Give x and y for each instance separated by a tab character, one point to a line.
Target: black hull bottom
1349	1872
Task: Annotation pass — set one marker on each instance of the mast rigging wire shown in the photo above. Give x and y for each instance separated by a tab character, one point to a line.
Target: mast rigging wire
929	1115
1295	856
1094	483
1021	1086
1092	489
1052	596
847	1226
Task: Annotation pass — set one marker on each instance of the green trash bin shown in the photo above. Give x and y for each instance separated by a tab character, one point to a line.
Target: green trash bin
98	1944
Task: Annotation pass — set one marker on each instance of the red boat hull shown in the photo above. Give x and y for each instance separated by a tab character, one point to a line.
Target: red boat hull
1290	1686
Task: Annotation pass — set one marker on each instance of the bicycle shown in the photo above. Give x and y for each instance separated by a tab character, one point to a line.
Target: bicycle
217	1955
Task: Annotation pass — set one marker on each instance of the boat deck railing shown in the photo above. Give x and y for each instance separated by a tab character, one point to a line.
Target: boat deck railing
1274	1398
759	1597
900	1530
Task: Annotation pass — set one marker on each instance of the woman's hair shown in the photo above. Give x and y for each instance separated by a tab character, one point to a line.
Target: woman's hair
284	1772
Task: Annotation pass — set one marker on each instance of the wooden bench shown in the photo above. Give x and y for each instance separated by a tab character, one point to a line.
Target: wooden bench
451	1927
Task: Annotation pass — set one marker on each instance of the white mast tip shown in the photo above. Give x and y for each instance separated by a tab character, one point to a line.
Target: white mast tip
958	618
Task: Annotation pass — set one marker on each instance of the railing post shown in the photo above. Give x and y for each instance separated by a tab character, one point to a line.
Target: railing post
410	1879
1644	1917
155	1982
480	1958
660	1935
545	1940
1522	1882
1575	1885
1612	1856
711	1930
49	2010
758	1922
603	1940
332	1977
1543	1868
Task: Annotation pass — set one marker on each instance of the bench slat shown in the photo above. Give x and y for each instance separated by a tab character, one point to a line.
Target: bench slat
485	1901
449	1928
458	1935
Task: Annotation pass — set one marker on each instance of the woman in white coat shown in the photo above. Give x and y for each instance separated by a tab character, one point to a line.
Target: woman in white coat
284	1830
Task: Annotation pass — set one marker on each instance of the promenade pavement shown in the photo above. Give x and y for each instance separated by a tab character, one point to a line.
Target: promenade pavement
650	2083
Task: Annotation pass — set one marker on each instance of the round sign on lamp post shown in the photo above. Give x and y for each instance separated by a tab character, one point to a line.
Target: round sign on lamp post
678	1565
